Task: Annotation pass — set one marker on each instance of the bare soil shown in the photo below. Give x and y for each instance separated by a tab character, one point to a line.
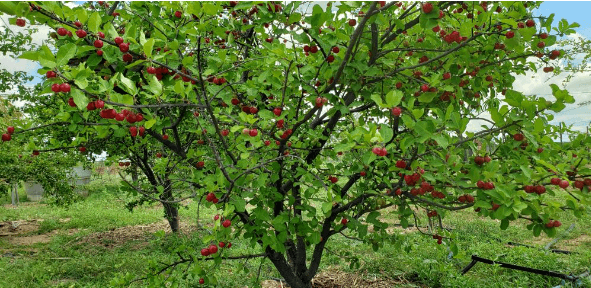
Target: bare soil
333	278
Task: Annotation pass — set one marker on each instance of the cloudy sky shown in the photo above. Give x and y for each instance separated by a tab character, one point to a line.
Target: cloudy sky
531	84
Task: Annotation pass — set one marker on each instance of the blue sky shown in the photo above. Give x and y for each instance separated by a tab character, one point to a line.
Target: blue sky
573	11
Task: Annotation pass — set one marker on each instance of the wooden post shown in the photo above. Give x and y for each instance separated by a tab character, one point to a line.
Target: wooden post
14	194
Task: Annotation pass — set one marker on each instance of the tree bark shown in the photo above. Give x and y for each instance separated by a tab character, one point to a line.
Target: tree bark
172	215
287	271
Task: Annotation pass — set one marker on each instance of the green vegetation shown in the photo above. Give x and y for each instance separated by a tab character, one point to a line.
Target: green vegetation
72	260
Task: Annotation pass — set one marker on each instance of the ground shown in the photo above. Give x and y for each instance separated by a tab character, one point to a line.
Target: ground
94	240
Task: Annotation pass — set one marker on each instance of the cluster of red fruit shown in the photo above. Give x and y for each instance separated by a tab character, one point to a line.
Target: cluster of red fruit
320	101
553	223
212	249
310	49
333	179
286	133
538	189
133	130
466	198
581	184
249	109
216	81
411	180
561	183
280	123
479	160
380	151
121	164
432	213
252	132
8	135
64	87
159	72
485	185
211	198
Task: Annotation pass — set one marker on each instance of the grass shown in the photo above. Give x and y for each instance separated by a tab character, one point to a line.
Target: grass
67	262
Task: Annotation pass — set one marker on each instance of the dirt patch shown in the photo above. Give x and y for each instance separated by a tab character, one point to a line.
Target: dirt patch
22	232
20	227
120	236
333	278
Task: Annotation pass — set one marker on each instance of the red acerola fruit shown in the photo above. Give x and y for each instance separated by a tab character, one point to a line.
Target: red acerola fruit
133	131
20	22
6	137
227	224
518	137
396	111
530	23
335	50
55	88
118	40
330	59
205	252
62	31
509	34
98	43
563	184
352	22
50	74
80	33
401	164
344	221
178	14
65	87
427	8
213	249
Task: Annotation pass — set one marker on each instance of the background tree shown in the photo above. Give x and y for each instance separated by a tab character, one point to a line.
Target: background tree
270	106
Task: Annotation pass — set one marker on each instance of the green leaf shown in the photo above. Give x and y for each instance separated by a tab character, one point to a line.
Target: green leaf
504	224
386	132
128	85
94	22
393	98
148	47
155	85
30	55
65	53
79	98
427	97
148	124
378	99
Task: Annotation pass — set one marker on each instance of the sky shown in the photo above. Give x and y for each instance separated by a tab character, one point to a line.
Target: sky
530	84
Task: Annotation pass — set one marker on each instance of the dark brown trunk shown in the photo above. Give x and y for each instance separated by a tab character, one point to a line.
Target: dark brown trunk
172	215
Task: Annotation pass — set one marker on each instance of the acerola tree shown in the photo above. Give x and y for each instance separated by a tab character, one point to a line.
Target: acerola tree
320	119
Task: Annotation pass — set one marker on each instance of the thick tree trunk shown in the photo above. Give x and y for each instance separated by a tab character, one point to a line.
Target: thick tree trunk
287	271
172	215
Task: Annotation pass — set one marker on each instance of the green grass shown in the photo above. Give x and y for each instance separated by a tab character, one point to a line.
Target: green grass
66	262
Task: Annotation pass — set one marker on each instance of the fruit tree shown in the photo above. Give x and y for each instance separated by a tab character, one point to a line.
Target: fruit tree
300	122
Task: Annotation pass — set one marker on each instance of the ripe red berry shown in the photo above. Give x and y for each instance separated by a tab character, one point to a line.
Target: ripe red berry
446	75
253	110
118	40
344	221
50	74
401	164
225	132
201	281
178	14
335	49
543	35
313	49
98	43
80	33
396	111
124	47
227	224
65	87
352	22
427	8
6	137
330	58
99	52
133	131
425	87
509	34
518	137
127	57
306	48
20	22
62	31
557	223
563	184
213	249
541	44
151	70
277	111
530	23
362	173
205	252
